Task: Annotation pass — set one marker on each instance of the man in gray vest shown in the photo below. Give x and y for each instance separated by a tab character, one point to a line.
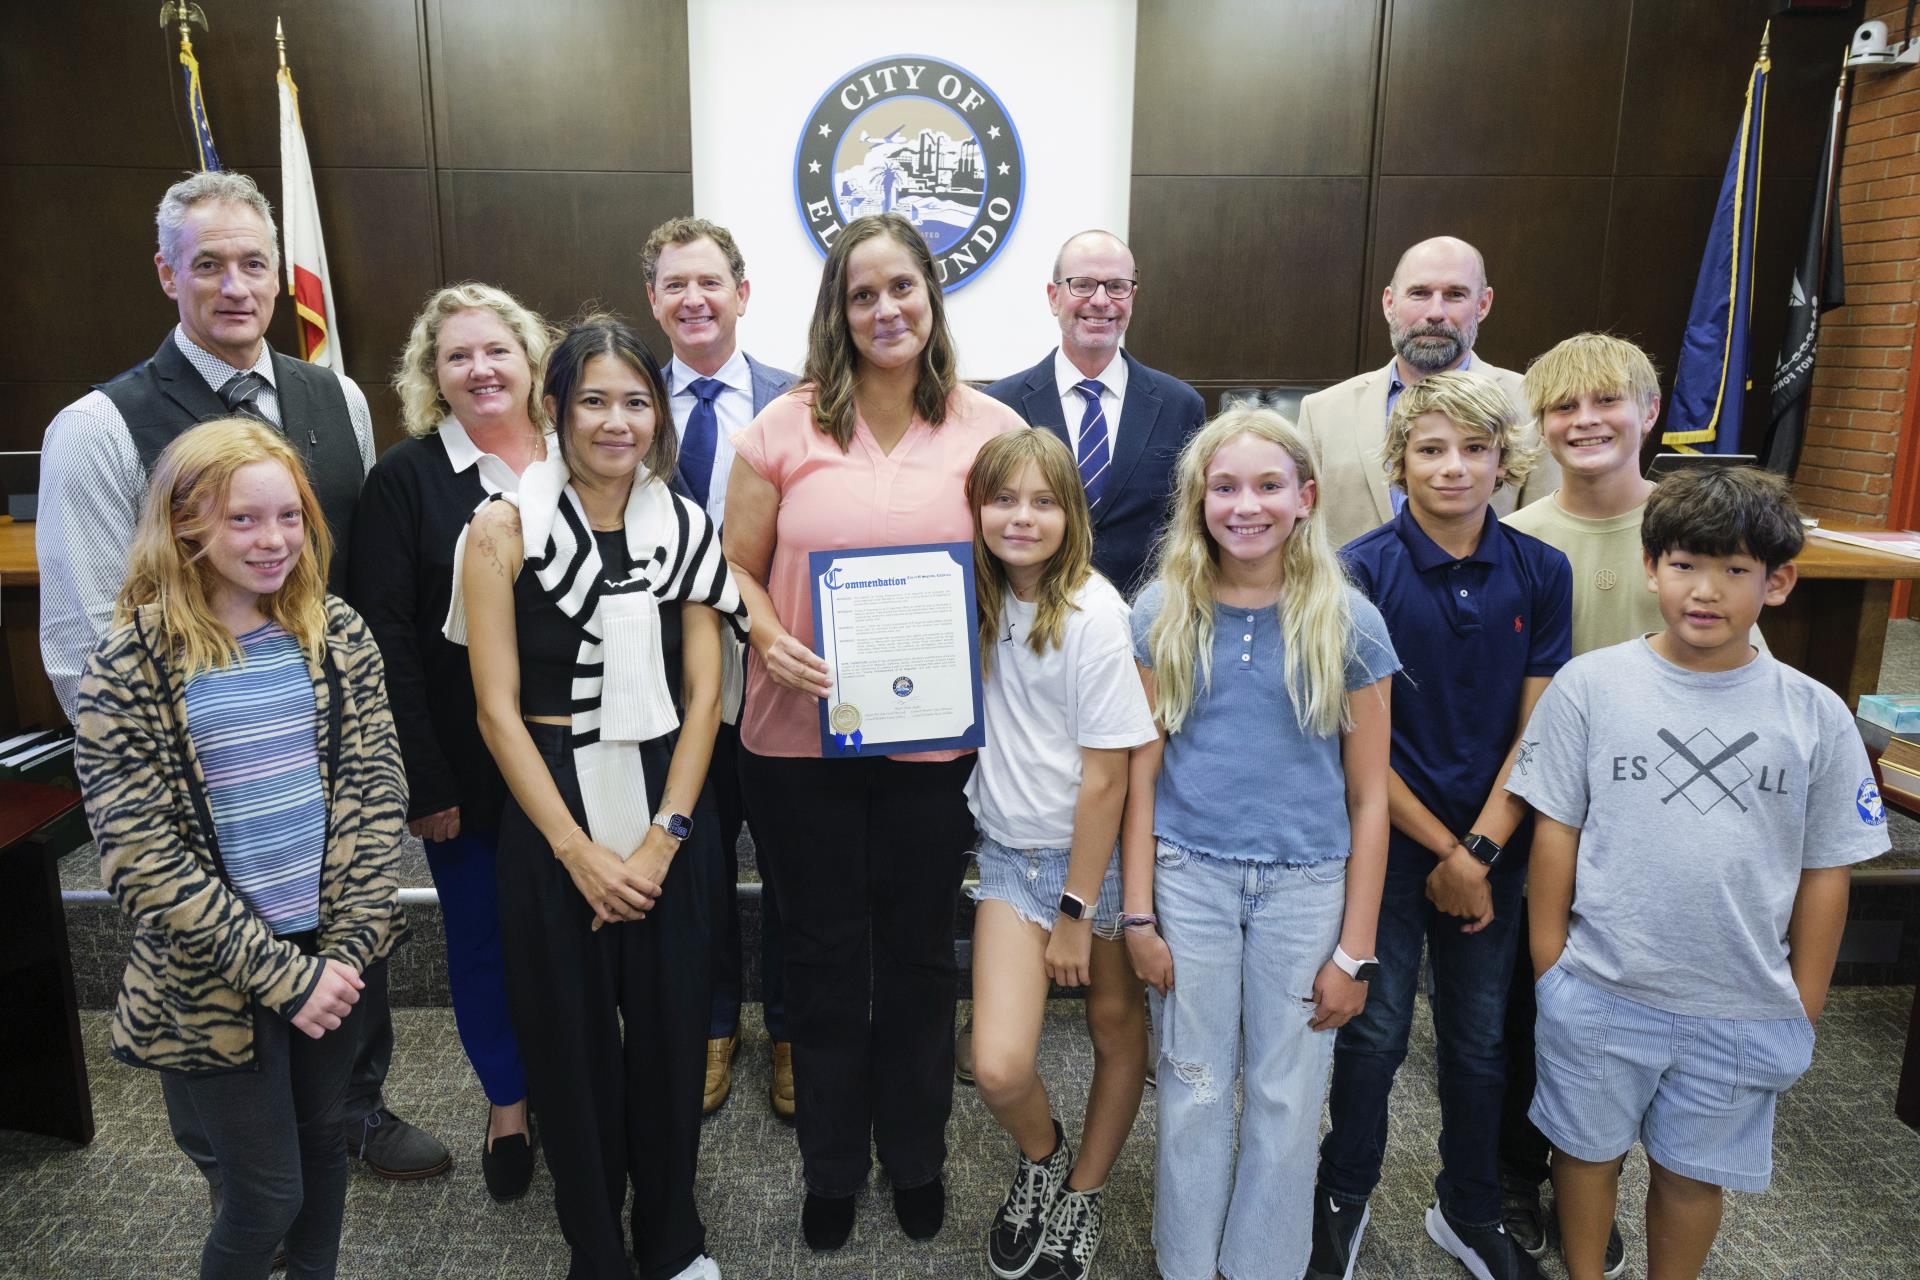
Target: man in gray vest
219	261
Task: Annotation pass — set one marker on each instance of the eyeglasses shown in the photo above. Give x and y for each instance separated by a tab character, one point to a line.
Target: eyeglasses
1083	287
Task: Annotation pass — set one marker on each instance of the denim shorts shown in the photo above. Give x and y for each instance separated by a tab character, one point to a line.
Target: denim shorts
1699	1093
1032	880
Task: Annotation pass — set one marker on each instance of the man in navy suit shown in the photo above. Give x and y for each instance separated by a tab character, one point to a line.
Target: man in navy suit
697	286
1124	422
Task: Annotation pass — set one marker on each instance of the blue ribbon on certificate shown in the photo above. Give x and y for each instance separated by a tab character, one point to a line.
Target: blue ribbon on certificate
841	740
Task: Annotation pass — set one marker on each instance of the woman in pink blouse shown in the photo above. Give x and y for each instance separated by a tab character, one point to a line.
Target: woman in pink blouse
865	854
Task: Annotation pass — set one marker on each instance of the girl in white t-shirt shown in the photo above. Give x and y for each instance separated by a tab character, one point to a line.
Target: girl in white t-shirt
1063	708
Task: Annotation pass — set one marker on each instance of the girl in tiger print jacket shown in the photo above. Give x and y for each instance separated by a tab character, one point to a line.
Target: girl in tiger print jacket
200	956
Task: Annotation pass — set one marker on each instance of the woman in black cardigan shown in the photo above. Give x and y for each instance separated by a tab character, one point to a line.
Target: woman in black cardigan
469	395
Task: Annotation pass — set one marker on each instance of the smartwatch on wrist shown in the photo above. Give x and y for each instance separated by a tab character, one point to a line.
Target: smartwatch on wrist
1358	970
1072	907
677	825
1484	851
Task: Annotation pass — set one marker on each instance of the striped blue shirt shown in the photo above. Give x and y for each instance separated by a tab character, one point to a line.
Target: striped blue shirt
255	729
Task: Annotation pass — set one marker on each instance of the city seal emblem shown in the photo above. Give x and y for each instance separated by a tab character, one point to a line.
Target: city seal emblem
844	718
922	138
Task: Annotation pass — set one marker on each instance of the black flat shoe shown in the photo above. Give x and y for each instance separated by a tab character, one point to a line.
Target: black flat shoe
507	1165
826	1221
921	1209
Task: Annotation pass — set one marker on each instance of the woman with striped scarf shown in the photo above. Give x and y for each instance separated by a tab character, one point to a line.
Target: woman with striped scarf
585	596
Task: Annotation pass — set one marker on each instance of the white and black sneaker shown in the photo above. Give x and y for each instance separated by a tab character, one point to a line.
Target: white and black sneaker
1489	1253
1337	1229
1013	1242
1072	1236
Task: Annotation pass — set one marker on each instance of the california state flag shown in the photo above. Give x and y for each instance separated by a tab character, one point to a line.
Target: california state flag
307	278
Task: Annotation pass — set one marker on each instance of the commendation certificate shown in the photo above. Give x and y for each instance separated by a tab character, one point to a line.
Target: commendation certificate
897	627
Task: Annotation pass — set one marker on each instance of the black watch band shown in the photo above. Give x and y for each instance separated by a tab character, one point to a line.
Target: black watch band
1483	850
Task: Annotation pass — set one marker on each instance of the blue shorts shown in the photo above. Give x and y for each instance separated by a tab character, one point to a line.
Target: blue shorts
1032	880
1697	1092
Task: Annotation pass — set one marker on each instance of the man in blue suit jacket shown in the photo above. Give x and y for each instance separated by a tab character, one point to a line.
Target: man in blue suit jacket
1142	418
697	286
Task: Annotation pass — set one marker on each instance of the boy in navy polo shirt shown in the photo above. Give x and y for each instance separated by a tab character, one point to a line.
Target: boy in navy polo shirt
1699	807
1482	617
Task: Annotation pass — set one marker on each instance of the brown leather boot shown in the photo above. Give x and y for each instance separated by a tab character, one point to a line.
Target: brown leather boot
719	1072
780	1092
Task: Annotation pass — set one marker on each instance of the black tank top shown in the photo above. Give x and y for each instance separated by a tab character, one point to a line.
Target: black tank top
549	641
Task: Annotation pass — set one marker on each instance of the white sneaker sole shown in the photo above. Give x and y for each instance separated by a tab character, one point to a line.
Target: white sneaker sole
1359	1234
1441	1234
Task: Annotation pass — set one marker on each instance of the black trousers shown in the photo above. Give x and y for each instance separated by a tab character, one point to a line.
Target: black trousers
1523	1148
610	1106
273	1132
729	800
866	857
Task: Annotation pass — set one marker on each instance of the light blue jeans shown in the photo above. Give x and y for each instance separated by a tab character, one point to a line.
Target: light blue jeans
1248	939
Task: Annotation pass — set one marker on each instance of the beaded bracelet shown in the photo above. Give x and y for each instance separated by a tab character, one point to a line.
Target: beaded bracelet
563	839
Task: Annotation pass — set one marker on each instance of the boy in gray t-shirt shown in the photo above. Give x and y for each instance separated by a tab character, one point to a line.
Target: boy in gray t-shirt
1712	801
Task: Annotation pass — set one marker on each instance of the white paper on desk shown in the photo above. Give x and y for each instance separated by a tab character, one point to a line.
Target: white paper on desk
1899	542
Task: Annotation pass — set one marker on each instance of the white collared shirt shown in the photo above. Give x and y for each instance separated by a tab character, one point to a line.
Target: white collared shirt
732	409
495	475
1073	405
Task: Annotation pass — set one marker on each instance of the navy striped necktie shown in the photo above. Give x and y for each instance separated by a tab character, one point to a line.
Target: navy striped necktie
1094	451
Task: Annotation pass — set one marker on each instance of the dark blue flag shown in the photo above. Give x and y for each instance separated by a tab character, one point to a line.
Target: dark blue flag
197	105
1710	381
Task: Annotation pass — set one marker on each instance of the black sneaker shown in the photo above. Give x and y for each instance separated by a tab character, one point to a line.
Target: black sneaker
1013	1241
1520	1212
1072	1235
1488	1253
1337	1229
1616	1260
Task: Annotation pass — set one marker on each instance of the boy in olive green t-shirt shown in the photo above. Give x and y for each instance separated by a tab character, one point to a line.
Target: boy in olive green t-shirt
1594	398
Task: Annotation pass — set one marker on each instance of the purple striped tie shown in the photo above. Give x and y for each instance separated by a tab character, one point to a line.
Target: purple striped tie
1094	451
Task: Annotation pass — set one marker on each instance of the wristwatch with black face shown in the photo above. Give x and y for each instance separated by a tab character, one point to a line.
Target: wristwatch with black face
1483	850
1072	907
1358	970
677	825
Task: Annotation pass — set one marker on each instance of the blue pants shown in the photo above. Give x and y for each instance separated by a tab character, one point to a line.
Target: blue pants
463	872
1469	996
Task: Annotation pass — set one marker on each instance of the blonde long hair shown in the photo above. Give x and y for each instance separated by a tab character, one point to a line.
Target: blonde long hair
1316	621
167	563
416	378
1066	570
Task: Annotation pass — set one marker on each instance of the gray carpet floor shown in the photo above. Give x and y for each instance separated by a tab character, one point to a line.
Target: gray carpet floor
1845	1199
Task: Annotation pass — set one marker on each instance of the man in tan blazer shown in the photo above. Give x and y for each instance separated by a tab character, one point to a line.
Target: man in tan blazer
1434	305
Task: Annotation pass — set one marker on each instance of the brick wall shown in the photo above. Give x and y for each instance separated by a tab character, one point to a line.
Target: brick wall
1862	401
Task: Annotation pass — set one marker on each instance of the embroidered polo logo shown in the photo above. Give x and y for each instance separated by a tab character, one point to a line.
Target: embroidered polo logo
1518	627
1605	580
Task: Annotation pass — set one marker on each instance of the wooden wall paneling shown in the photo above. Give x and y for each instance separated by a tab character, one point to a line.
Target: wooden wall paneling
1542	238
100	84
1503	87
1657	229
560	240
88	299
381	246
1242	276
31	406
89	84
1254	87
569	84
1688	64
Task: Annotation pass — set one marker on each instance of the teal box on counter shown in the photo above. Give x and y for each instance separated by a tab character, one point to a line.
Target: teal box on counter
1898	712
